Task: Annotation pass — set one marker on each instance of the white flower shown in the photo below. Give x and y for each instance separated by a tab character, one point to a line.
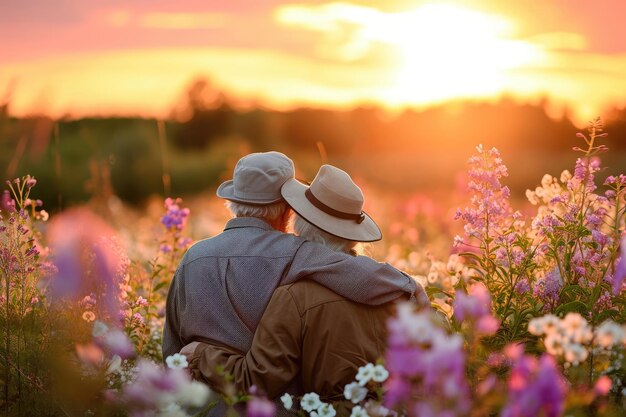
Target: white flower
575	353
99	329
375	409
608	334
44	215
565	176
365	373
582	335
550	323
325	410
172	410
354	392
535	326
573	322
177	361
115	364
358	411
554	344
287	401
310	402
380	374
194	394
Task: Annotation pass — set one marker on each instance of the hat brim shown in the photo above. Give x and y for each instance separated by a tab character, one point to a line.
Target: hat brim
366	231
226	190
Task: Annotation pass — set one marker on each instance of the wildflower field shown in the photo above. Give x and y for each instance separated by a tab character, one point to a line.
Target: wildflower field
528	301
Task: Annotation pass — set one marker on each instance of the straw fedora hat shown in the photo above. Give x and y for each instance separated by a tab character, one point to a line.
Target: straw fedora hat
257	179
334	203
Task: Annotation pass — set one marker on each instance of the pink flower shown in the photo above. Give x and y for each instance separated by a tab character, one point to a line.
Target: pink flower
603	386
141	302
487	325
473	305
138	318
535	388
260	407
118	343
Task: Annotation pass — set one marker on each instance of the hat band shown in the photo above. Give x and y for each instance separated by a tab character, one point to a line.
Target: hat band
329	210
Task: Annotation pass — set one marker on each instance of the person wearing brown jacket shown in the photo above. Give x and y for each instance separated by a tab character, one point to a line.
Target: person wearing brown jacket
308	334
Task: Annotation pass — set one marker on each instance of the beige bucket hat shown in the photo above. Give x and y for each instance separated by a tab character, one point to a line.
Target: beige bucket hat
334	203
257	179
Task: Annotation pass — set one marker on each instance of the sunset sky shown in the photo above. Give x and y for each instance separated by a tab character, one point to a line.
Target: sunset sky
136	57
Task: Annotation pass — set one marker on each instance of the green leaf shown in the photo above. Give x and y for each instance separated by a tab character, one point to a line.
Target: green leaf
430	291
574	289
160	285
607	314
573	306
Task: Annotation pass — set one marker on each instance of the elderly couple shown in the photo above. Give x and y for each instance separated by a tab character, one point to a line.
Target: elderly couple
284	312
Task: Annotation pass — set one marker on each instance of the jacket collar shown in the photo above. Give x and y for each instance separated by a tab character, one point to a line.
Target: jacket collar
239	222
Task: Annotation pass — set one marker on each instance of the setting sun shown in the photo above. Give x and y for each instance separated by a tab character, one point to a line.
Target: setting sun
451	52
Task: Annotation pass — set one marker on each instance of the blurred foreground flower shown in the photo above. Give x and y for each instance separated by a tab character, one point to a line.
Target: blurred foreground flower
260	407
620	270
476	308
156	389
426	366
86	262
535	387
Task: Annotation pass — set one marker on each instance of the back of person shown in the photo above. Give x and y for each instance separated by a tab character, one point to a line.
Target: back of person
228	281
338	337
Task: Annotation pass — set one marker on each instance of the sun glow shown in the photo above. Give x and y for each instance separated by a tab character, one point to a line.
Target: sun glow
451	52
445	51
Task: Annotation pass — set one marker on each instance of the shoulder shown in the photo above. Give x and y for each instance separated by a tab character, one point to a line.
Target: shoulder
245	242
307	294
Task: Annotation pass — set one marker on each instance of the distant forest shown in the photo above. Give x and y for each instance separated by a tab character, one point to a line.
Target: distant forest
76	160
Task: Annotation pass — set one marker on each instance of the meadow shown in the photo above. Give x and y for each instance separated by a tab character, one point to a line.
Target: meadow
528	298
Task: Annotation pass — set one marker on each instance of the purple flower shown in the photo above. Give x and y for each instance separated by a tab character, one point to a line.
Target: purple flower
260	407
620	270
157	388
30	181
548	289
600	238
404	360
165	248
584	174
118	343
421	351
489	199
619	181
86	262
522	286
397	390
6	202
535	388
175	218
473	305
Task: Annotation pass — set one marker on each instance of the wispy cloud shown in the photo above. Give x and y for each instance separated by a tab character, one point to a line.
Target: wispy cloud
183	20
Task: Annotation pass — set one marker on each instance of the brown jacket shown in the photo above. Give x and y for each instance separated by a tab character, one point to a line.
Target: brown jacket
307	332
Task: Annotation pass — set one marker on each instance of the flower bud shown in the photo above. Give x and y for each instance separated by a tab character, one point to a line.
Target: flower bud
30	182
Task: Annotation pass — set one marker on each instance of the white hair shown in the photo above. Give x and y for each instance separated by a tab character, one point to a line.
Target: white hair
269	212
310	232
